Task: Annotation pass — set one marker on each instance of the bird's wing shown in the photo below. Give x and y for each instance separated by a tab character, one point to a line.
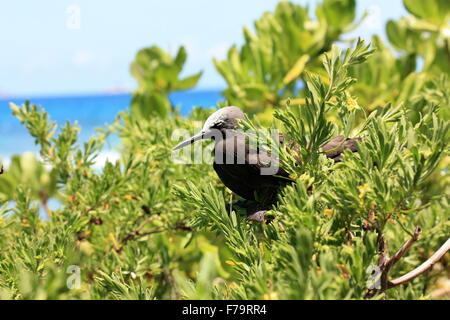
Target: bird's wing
335	148
263	162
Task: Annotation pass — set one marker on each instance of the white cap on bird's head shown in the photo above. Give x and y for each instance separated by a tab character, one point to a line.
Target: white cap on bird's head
224	118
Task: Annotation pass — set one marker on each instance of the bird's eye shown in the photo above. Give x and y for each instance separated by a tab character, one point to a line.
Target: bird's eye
217	125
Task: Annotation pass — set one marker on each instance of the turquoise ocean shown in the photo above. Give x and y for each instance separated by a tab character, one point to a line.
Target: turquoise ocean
90	111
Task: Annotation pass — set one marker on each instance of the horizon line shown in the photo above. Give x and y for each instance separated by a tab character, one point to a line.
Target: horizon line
9	96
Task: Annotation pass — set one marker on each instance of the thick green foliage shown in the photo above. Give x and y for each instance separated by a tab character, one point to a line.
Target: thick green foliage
27	170
422	43
157	74
265	70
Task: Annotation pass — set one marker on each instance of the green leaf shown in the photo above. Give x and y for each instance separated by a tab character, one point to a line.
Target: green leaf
297	69
435	11
188	82
338	13
181	57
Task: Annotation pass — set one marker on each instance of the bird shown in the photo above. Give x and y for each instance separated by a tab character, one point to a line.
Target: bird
239	164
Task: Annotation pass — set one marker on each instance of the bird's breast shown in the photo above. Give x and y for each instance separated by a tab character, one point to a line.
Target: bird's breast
239	165
231	150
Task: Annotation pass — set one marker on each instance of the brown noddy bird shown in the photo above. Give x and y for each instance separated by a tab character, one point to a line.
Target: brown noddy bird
240	165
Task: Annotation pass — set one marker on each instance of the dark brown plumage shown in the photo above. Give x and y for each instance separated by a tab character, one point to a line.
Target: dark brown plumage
244	177
239	165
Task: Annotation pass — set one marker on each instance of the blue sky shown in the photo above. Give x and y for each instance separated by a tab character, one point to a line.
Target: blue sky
44	52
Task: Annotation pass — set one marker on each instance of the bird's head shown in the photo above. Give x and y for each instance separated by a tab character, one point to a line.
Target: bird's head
224	118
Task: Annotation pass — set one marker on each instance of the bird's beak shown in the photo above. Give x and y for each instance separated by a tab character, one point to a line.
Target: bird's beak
189	141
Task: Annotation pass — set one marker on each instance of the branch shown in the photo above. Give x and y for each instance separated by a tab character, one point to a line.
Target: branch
385	264
135	234
47	209
179	225
400	253
383	259
137	231
423	267
44	198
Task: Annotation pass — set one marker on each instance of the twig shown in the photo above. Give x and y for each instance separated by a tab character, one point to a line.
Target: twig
134	234
423	267
47	209
402	226
382	250
400	253
349	235
383	259
137	231
44	198
170	280
385	264
371	219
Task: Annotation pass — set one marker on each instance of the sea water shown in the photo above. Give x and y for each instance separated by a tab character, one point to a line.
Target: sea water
90	111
